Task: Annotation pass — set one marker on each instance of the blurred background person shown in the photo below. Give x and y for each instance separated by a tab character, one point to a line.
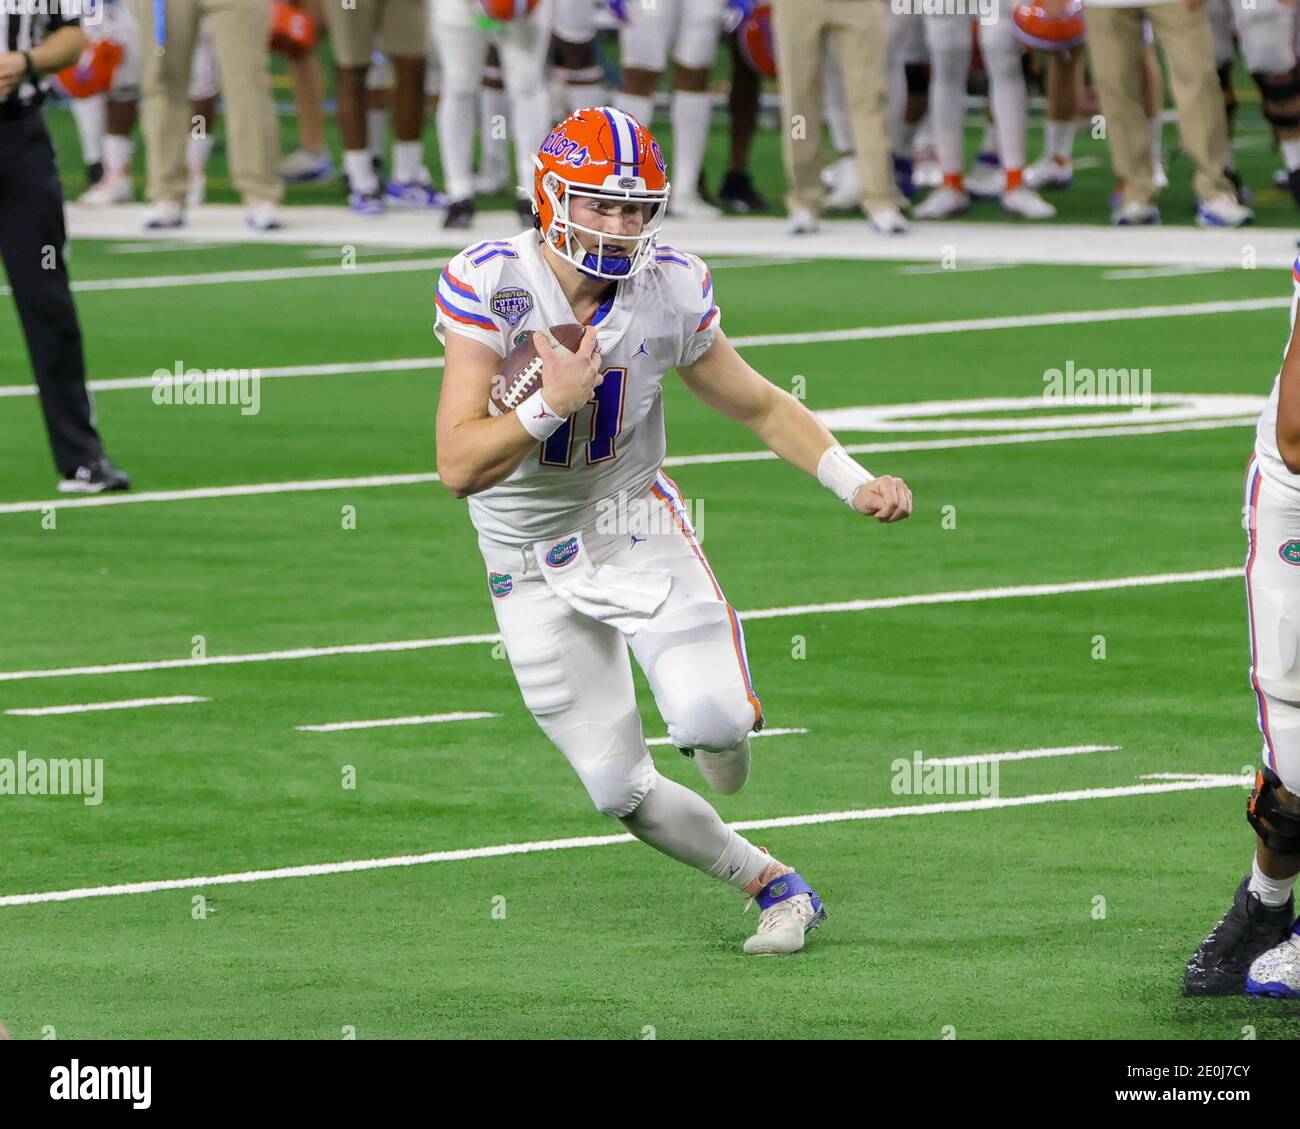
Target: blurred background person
239	31
858	29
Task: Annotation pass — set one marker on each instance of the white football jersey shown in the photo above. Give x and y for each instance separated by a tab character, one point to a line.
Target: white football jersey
663	317
1270	461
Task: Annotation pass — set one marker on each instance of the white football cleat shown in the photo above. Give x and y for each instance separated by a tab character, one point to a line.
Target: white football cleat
1222	211
790	909
943	203
114	188
689	206
803	222
263	216
1024	201
1049	172
164	214
845	186
1159	177
887	221
986	180
1133	214
1277	972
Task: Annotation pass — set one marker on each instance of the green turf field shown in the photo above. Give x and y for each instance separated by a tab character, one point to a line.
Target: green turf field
1070	918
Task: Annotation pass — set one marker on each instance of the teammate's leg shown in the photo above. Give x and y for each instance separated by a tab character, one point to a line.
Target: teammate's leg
573	46
462	46
643	42
949	43
1264	908
695	45
522	45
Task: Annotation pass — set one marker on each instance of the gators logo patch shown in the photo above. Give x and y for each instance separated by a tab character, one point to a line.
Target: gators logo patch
500	583
560	555
778	889
512	303
1290	552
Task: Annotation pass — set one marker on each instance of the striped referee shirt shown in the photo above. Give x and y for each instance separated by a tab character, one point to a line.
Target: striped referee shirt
25	23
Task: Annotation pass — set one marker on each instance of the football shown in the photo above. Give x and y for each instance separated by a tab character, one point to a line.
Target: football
521	369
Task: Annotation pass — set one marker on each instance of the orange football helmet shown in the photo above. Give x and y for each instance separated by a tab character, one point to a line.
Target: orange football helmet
503	11
1049	33
600	153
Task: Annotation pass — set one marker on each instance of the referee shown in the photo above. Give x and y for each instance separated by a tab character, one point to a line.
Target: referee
32	45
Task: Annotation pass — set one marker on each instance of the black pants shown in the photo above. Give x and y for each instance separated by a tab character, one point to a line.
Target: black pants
31	245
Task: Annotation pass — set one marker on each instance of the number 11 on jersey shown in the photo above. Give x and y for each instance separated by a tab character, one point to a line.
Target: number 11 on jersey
606	422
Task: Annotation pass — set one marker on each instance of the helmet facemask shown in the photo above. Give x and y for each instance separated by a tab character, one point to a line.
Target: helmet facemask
560	235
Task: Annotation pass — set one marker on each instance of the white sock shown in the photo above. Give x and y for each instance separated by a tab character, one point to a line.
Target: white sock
989	139
1009	100
408	162
1060	139
641	107
91	116
1291	152
360	172
683	825
690	135
1156	128
456	127
376	132
580	95
1271	891
118	152
493	131
197	151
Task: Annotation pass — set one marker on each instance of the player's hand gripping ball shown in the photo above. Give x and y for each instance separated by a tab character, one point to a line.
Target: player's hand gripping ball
886	498
566	357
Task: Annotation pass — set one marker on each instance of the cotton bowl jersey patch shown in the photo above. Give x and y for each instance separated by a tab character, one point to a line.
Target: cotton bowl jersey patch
500	583
1290	552
512	303
557	556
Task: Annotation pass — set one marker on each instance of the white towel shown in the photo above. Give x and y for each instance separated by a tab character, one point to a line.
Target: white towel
618	596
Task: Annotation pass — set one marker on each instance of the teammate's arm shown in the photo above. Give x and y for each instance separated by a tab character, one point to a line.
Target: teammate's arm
477	450
1288	404
724	381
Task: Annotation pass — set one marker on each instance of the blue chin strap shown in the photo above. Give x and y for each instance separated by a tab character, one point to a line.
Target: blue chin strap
618	265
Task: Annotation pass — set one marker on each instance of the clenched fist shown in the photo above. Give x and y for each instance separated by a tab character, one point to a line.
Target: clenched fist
887	499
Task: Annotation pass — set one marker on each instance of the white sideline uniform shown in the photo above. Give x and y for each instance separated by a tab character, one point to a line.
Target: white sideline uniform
571	592
1273	588
1266	30
689	28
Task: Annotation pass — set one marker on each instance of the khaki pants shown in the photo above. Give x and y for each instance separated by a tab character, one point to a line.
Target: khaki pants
239	32
1115	46
402	25
859	29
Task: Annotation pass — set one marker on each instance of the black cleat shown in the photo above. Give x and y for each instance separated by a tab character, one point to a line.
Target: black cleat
1248	930
739	194
525	210
460	214
1293	183
94	173
688	753
95	478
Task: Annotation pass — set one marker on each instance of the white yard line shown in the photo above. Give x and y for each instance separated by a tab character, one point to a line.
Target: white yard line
856	333
656	741
1024	754
96	707
383	480
353	866
386	722
973	595
259	274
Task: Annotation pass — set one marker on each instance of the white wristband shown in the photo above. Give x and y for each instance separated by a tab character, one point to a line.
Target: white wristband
842	474
537	417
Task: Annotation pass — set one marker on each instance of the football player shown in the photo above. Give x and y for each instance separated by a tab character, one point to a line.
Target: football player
948	37
1256	948
588	546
